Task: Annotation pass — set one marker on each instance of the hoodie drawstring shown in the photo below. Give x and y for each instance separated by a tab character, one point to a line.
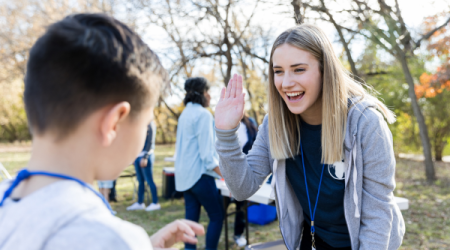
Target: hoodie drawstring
355	175
274	178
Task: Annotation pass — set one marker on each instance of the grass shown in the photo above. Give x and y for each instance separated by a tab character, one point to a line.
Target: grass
427	220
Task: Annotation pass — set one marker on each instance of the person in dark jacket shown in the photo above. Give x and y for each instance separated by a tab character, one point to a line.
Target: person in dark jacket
143	165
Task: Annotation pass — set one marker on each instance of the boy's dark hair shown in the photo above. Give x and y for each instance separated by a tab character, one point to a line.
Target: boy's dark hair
195	87
85	62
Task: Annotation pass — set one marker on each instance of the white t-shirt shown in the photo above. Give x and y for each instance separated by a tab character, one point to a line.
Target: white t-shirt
65	215
242	135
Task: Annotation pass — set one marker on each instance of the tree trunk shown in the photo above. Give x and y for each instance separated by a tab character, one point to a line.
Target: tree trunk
439	148
423	131
297	15
438	152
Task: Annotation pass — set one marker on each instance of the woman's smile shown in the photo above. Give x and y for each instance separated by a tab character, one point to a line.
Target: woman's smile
294	96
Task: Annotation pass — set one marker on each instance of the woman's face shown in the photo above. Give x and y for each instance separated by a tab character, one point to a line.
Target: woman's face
208	98
298	79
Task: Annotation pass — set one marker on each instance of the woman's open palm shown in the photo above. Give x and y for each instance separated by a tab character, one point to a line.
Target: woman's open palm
230	109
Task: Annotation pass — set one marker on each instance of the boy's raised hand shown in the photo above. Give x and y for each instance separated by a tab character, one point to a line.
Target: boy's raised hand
179	230
230	109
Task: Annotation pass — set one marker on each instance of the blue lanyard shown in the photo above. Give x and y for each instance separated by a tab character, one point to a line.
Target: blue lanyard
313	230
25	174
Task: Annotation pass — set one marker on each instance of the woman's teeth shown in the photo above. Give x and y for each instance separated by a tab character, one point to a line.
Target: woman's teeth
295	95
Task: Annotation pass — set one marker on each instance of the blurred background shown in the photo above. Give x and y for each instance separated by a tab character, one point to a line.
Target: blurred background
399	47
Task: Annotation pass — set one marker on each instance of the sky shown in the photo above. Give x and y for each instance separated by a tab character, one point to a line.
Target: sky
279	18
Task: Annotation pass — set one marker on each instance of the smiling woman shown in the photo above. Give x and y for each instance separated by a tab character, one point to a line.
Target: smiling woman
319	117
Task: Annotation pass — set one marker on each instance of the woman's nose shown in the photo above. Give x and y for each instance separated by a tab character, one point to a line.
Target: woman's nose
288	81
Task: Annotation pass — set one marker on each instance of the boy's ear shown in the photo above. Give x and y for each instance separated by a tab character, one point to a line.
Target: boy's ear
110	122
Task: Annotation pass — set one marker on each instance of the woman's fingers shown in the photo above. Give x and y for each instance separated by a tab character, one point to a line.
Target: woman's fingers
230	83
238	86
222	94
235	85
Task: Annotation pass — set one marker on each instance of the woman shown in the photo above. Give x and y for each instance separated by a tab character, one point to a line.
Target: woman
329	149
196	163
144	168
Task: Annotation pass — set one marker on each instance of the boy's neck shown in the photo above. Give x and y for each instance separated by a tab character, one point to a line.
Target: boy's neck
67	157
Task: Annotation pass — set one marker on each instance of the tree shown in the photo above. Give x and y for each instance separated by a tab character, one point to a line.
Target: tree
434	89
211	36
384	25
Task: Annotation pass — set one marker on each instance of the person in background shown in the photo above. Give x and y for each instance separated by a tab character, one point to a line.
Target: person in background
113	193
247	132
143	165
197	163
104	187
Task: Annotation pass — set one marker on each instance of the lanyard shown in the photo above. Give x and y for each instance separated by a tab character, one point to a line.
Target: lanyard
25	174
313	230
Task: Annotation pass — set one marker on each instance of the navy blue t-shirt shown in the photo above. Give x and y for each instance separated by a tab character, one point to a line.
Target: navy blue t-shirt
329	219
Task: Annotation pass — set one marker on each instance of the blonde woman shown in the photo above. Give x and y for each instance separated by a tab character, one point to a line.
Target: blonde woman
327	145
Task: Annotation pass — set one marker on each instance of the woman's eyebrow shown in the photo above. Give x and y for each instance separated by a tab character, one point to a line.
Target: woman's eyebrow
293	65
298	64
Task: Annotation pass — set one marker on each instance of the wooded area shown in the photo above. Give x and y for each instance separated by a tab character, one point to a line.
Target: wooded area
409	67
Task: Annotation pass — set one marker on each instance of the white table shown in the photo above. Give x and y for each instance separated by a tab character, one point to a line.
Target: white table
262	196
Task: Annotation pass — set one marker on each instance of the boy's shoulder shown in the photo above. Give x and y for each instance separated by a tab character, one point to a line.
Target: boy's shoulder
67	216
100	231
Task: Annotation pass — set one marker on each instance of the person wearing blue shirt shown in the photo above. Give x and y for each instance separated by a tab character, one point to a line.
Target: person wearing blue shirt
197	163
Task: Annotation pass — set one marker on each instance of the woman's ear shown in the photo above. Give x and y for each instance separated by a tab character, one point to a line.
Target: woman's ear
111	122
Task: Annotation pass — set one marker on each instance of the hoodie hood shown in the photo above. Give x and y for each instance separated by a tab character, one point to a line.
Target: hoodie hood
357	107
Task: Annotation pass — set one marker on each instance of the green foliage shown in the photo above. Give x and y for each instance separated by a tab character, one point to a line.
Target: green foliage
13	121
382	72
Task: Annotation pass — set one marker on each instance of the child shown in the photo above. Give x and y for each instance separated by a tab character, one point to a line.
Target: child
90	88
327	145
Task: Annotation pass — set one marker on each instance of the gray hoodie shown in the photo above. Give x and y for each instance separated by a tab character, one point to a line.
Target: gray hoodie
65	215
374	220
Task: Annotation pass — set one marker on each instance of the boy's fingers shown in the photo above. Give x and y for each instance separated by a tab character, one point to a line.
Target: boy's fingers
180	227
196	227
189	239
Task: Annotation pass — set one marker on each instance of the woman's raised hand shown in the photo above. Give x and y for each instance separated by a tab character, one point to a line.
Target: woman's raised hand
230	109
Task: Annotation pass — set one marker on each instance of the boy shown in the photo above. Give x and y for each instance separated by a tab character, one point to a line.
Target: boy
90	88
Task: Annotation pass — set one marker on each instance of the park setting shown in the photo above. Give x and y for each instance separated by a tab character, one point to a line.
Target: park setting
397	51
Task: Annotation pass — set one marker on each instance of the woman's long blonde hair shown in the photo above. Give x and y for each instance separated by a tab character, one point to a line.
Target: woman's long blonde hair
338	86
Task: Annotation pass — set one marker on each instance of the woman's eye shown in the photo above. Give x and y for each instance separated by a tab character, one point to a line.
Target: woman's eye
276	72
299	70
